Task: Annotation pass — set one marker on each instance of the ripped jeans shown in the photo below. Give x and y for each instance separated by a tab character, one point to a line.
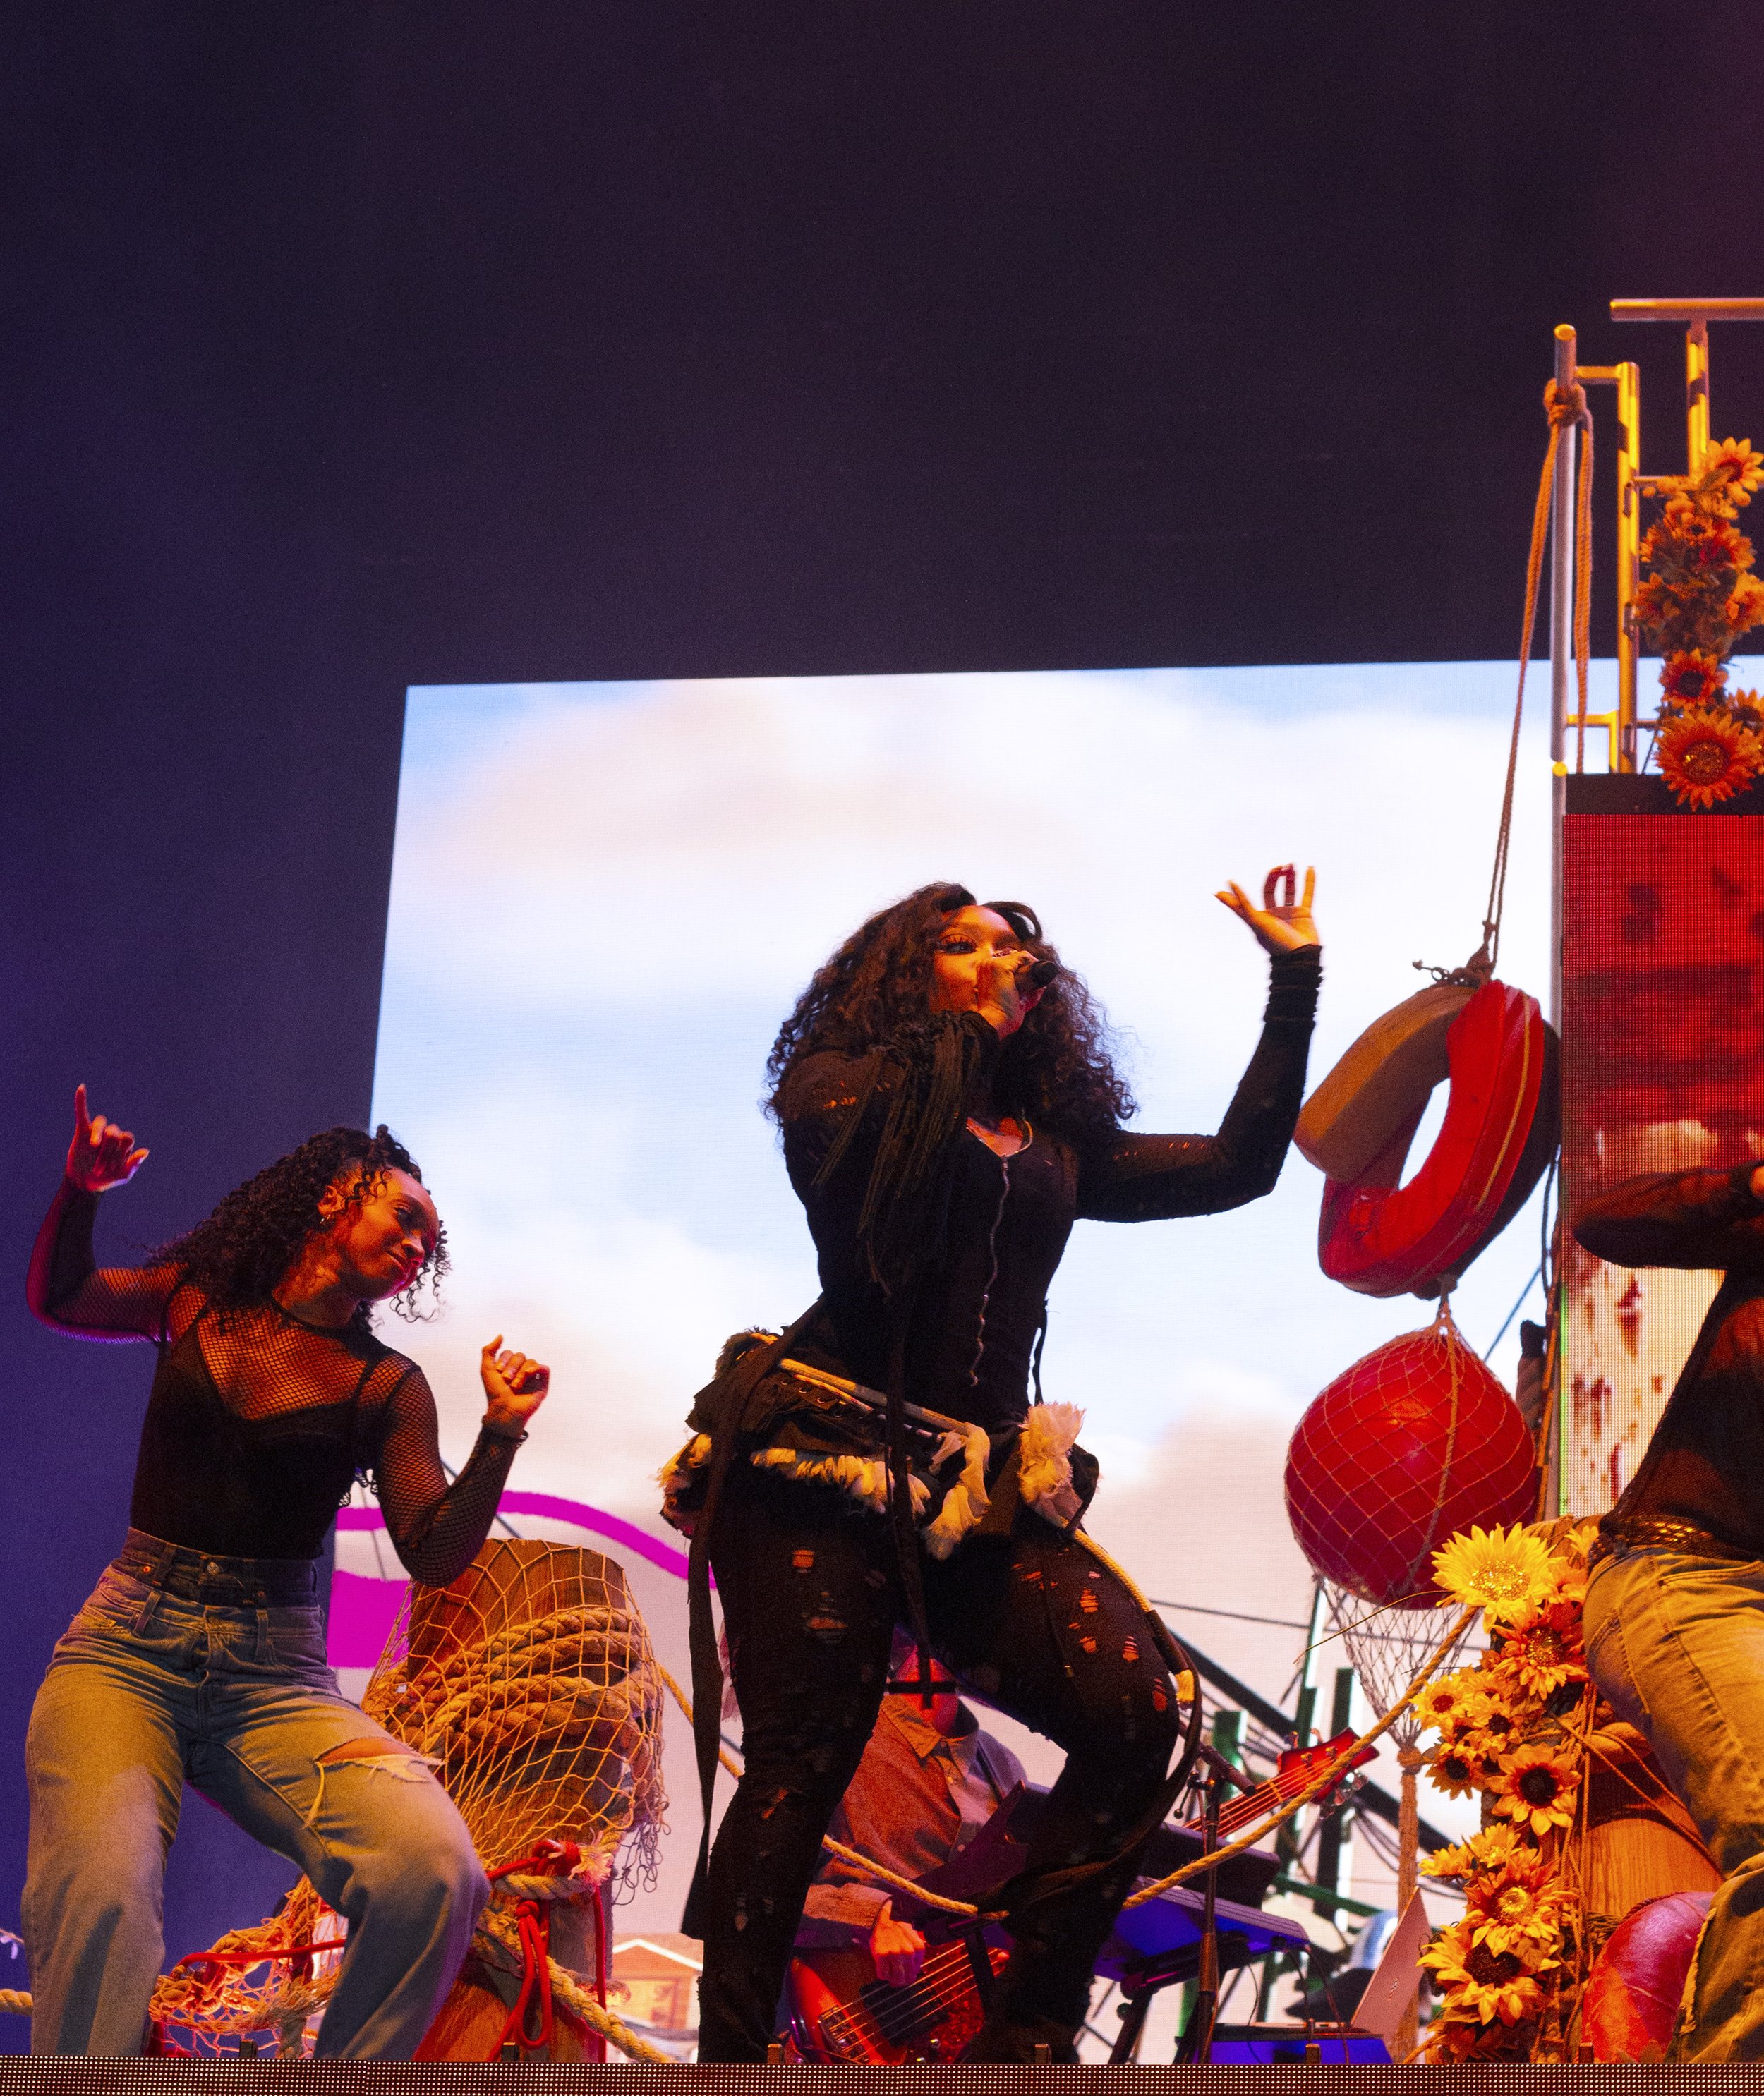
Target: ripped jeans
1675	1644
217	1676
1031	1621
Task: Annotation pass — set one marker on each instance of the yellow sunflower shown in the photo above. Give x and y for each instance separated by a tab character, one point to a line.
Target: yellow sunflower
1690	677
1457	1861
1513	1911
1735	467
1744	608
1500	1846
1502	1709
1455	1769
1543	1648
1488	1983
1451	2038
1501	1573
1444	1703
1537	1788
1706	756
1571	1577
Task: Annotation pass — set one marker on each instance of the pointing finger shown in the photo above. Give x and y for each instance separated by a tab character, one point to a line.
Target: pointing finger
82	1120
1310	886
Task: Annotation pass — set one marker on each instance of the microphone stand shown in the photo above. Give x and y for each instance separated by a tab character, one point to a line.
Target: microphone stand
1195	2046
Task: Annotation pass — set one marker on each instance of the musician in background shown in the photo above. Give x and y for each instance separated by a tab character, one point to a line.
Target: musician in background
929	1779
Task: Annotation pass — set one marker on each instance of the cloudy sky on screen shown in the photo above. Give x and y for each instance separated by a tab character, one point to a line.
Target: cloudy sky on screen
605	896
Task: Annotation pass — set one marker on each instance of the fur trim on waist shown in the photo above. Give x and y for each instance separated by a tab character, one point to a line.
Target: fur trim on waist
1044	1474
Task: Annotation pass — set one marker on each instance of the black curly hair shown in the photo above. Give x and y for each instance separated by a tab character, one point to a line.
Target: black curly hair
241	1252
1058	1067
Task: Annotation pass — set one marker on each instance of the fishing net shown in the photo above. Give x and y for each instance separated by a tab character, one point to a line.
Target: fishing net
531	1684
270	1978
1388	1648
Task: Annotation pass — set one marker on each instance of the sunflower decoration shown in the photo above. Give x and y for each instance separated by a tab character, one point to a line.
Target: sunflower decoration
1707	756
1459	1770
1692	677
1542	1649
1503	1572
1734	470
1511	1729
1490	1850
1520	1907
1483	1983
1447	1702
1697	599
1501	1722
1538	1788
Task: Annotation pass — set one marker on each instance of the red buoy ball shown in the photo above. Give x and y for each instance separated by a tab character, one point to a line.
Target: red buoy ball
1413	1443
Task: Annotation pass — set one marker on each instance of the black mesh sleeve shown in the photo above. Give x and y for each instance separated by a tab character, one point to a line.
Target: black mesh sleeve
67	1288
436	1528
1132	1178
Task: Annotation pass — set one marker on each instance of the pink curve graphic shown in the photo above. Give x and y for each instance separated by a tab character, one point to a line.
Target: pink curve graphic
363	1610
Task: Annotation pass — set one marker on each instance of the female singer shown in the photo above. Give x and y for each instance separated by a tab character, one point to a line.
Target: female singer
948	1109
200	1656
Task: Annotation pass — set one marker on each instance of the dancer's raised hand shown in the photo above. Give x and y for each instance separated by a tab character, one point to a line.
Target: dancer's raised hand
1280	925
101	1155
515	1387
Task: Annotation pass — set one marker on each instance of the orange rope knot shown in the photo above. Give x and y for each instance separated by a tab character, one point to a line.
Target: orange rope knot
1567	404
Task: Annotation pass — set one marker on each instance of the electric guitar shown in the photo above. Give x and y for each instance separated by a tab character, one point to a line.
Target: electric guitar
839	2010
1297	1768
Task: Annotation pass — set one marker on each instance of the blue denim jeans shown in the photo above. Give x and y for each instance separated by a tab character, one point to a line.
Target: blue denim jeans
210	1672
1675	1644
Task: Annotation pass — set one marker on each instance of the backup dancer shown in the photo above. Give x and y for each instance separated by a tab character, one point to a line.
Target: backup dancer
1675	1613
200	1656
948	1109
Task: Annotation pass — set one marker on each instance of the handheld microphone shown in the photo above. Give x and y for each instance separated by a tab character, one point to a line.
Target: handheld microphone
1041	974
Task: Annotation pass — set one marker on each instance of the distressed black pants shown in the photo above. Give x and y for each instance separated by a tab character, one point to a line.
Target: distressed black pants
1031	1622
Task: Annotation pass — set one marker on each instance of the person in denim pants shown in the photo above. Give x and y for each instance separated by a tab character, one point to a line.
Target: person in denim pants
199	1658
1674	1612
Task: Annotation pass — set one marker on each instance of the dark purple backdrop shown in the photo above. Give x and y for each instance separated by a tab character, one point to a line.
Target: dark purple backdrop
348	347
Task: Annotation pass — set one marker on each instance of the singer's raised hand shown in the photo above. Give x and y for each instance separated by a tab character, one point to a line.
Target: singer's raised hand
1282	924
101	1155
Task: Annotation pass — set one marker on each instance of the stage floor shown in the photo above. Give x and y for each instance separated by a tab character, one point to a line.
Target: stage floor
229	2077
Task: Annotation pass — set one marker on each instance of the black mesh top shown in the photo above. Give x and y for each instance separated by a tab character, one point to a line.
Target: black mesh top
1706	1460
977	1313
258	1424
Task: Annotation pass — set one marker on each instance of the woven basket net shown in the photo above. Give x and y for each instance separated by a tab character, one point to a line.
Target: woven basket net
531	1684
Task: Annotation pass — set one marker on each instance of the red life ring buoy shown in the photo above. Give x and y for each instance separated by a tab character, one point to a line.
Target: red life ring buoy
1503	1118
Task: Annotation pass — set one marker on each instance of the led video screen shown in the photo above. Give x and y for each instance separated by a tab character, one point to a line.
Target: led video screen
1663	1070
606	896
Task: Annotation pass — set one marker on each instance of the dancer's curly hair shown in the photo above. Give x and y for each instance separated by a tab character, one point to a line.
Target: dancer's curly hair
1057	1067
247	1245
